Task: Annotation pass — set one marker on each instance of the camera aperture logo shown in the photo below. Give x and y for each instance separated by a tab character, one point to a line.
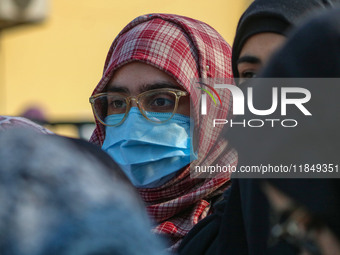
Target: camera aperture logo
204	97
238	105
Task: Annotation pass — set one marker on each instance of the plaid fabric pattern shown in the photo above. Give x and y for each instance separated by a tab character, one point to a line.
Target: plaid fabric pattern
185	49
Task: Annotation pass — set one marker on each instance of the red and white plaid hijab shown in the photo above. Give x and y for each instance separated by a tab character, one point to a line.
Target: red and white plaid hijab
185	49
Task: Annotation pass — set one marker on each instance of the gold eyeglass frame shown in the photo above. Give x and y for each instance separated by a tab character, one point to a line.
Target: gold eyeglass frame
178	93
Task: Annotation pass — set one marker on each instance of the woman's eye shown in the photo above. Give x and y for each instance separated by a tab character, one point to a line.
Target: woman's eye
118	103
164	102
248	74
161	102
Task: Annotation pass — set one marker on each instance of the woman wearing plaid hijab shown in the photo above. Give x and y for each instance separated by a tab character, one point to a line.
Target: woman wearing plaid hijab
144	105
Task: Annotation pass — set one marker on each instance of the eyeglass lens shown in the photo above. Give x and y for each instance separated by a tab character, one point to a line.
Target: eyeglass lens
116	105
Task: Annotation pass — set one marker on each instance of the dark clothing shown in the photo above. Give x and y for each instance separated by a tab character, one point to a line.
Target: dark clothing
203	238
245	220
312	51
208	237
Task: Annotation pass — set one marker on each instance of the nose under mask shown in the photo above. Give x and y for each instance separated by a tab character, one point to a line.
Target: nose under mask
149	153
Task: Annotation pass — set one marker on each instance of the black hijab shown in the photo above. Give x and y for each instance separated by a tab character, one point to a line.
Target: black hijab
276	16
311	51
241	226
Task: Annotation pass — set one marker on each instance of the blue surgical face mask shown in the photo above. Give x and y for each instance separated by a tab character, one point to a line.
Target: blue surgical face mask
149	153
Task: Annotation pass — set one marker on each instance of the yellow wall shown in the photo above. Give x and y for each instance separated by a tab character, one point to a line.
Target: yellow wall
56	64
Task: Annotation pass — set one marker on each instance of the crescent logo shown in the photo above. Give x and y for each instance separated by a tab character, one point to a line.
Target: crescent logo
211	95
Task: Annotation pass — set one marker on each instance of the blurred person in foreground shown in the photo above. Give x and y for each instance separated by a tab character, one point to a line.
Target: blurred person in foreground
143	118
58	198
9	122
312	51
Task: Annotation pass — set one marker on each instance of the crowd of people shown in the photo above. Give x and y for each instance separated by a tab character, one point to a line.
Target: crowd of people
131	188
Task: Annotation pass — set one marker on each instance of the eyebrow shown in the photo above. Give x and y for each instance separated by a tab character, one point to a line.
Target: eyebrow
145	87
249	59
158	85
119	89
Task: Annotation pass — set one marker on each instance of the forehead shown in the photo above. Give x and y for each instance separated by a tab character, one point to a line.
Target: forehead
133	76
262	45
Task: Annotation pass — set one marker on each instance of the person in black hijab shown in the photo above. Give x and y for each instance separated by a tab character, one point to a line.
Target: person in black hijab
263	28
311	52
278	17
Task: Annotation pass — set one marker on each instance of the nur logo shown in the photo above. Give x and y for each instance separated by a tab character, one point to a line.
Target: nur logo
280	100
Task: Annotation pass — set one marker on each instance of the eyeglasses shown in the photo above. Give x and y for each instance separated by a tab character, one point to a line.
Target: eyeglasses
290	230
117	105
